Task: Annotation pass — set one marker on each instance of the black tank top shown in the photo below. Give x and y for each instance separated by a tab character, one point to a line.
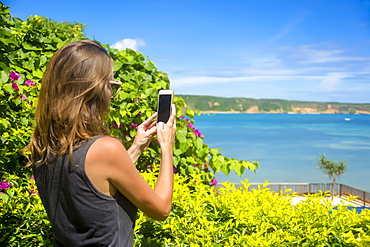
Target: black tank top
80	214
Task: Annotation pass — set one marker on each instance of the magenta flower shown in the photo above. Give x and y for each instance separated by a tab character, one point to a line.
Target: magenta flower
149	167
33	190
14	76
197	133
23	97
15	86
30	83
213	182
115	125
32	177
4	185
134	125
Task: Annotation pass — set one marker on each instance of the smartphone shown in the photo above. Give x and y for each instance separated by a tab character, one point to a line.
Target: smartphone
165	99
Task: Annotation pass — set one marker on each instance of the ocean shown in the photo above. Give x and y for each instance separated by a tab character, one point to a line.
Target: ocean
288	146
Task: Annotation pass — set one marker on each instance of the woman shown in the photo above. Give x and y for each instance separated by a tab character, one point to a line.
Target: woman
86	179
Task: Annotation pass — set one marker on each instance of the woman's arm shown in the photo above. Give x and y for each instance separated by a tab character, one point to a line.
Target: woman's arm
111	165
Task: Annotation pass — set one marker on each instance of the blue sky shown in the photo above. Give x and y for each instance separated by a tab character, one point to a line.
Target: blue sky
312	50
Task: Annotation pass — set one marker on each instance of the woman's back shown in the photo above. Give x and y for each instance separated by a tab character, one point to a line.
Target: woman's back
80	214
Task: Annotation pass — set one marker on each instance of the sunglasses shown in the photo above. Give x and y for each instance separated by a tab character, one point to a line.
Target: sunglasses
115	87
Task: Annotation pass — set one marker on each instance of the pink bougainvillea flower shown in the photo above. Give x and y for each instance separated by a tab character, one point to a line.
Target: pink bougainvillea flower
149	167
23	97
115	125
214	182
14	76
30	83
4	185
15	86
134	125
33	190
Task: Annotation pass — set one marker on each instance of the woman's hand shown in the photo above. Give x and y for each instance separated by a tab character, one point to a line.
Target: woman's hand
144	134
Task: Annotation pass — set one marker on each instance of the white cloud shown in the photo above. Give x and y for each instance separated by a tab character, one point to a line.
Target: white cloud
333	80
323	53
129	43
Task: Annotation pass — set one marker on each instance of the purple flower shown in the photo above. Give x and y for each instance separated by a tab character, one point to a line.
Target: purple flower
134	125
23	97
190	125
115	125
149	167
15	86
32	177
33	190
4	185
197	133
213	182
14	76
30	83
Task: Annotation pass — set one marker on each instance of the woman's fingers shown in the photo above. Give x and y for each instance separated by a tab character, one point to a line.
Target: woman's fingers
149	121
172	118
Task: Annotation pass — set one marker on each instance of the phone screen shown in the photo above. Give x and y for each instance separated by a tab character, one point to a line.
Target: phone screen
164	107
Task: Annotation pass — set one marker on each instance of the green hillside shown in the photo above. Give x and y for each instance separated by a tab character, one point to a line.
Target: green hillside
248	105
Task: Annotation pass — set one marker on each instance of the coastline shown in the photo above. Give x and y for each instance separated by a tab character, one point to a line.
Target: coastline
247	112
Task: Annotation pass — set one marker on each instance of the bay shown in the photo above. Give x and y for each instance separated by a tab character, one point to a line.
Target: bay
288	146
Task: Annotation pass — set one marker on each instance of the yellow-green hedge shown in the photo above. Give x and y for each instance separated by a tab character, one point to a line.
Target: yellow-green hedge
204	216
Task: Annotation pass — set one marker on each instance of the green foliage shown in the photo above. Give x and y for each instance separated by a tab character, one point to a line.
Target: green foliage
25	48
331	168
230	216
204	216
23	220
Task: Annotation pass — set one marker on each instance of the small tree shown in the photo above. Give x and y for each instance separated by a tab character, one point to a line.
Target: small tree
333	169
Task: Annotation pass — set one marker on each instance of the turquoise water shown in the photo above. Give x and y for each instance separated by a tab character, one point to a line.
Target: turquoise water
288	146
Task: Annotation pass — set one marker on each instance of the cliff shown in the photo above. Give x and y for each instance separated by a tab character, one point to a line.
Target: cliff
247	105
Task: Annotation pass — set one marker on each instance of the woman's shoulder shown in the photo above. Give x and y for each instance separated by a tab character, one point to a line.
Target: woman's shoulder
106	145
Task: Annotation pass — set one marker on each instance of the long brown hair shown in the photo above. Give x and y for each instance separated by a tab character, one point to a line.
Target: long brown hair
73	102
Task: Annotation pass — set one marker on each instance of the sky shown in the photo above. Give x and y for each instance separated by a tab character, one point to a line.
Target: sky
309	50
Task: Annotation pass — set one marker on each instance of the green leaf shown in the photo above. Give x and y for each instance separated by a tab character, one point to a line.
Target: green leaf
4	197
8	87
117	65
4	76
181	135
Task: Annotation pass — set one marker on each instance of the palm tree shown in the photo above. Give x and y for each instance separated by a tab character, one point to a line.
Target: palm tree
333	169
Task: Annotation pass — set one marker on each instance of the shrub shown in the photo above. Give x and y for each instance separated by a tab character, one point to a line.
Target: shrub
23	220
204	215
230	216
